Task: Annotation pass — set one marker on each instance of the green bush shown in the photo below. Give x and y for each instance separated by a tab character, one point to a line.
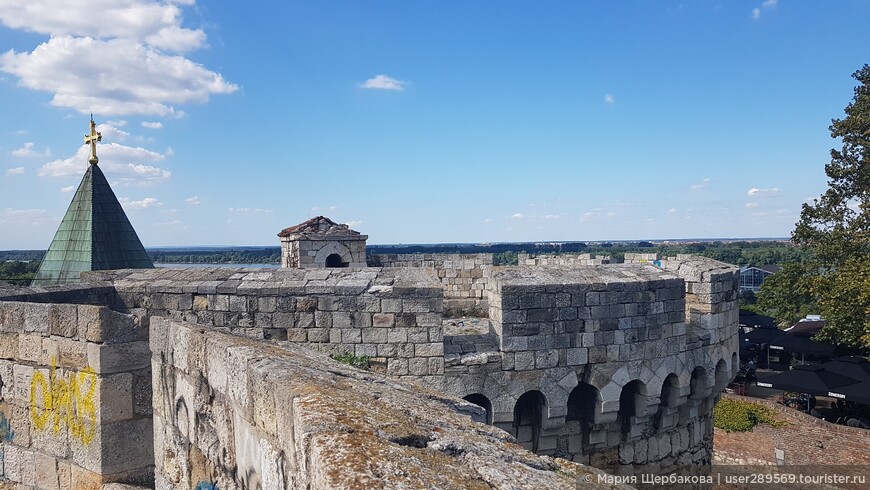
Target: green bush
740	416
360	362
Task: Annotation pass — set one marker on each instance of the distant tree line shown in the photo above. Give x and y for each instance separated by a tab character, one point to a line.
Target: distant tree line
17	272
267	255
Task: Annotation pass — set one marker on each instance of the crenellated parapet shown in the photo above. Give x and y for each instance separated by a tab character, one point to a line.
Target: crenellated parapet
607	365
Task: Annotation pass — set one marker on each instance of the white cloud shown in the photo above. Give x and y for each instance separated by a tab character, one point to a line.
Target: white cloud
69	188
354	223
701	185
766	5
384	82
15	171
152	125
552	217
111	56
10	216
672	210
193	200
608	99
148	202
487	220
114	77
27	151
112	133
120	123
752	205
127	164
321	209
136	19
518	216
756	192
596	213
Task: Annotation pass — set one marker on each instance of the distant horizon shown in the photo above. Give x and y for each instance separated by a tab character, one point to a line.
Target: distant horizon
654	241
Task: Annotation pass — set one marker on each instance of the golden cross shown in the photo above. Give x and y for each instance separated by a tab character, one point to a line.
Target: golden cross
92	139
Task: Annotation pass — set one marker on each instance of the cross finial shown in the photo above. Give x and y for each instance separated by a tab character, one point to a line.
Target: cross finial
92	139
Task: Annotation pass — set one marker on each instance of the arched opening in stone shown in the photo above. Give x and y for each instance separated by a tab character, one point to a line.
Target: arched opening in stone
334	260
628	406
528	419
581	411
671	391
698	383
670	400
723	376
483	402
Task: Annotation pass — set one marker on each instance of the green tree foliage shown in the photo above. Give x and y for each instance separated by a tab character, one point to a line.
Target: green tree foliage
789	295
836	226
17	272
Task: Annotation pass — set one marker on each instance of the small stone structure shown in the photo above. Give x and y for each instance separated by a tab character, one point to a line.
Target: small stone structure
321	242
607	365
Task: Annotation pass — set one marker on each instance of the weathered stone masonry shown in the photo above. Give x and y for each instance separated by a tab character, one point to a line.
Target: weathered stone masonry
75	407
612	365
464	277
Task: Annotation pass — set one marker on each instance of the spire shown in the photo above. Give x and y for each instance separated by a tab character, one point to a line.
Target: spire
92	139
95	233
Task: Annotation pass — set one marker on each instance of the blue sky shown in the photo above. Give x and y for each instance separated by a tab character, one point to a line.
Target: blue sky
416	122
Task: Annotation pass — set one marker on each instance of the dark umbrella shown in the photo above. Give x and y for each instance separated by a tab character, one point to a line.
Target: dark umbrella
762	335
800	344
807	379
852	366
857	392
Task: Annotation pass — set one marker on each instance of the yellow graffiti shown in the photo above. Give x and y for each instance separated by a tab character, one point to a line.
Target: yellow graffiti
66	402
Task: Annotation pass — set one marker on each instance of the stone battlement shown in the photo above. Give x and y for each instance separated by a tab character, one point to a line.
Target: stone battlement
608	365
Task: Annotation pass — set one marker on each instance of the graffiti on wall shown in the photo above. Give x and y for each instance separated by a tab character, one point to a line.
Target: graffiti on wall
65	400
6	432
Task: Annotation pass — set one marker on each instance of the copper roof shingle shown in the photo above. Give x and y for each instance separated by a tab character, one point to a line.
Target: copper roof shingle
95	234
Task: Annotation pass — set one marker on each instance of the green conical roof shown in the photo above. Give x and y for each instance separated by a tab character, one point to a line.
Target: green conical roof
95	234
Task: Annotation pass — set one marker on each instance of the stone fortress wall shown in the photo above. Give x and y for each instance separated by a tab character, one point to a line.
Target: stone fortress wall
562	259
464	277
609	364
75	405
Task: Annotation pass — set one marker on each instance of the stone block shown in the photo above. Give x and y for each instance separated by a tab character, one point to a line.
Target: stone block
524	361
374	335
115	397
418	367
323	319
30	347
370	350
383	320
9	345
429	350
297	335
351	335
577	356
318	335
63	320
546	359
114	358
